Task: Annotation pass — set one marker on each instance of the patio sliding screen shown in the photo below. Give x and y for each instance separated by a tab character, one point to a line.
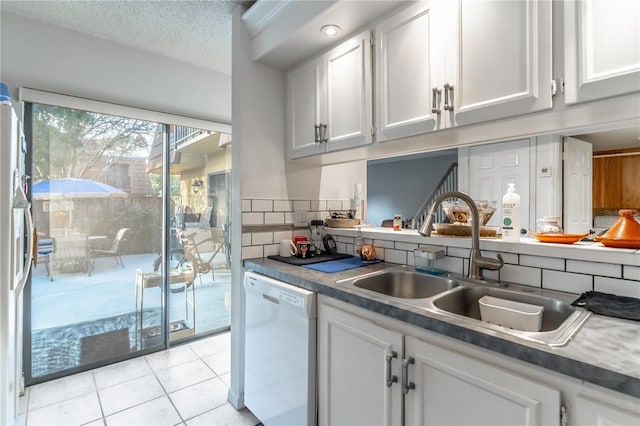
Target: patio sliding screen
98	215
108	192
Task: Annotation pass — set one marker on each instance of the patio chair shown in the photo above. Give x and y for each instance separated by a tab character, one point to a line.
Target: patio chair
117	248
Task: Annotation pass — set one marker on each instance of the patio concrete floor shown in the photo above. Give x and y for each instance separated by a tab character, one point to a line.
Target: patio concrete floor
110	290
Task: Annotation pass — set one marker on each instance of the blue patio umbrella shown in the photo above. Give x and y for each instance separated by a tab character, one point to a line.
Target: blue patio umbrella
70	188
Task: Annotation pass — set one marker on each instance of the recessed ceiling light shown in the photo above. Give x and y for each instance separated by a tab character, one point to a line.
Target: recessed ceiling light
330	30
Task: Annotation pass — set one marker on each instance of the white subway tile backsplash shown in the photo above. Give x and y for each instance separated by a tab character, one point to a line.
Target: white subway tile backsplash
262	205
347	205
252	252
384	243
542	262
304	205
318	205
272	249
261	238
380	251
343	239
288	218
395	256
615	286
275	218
631	272
594	268
282	235
566	281
521	275
246	205
334	204
341	248
411	258
282	206
246	239
406	246
458	252
452	264
491	275
253	218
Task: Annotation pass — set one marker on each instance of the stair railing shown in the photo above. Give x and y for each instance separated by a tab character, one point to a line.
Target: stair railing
449	182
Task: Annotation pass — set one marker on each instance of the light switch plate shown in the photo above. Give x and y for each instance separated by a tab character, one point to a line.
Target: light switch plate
544	171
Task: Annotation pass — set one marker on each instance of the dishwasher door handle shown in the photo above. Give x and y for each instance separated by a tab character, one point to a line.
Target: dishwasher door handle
270	299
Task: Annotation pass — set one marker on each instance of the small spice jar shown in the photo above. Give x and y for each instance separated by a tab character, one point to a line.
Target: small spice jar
397	222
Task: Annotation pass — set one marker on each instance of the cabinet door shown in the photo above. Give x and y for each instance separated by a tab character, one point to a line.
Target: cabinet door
590	411
349	121
453	389
304	106
352	371
408	67
501	59
602	48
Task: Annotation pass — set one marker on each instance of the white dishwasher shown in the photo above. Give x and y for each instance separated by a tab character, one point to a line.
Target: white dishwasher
280	352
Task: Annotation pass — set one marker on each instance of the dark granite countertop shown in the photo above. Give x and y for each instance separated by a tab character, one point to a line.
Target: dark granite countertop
605	351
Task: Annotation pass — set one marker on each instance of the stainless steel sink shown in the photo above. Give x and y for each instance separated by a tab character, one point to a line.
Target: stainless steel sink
405	284
560	320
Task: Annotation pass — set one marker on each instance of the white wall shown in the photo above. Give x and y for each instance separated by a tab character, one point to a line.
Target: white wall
41	56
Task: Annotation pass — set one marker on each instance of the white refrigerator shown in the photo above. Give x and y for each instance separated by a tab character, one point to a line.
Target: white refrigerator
16	247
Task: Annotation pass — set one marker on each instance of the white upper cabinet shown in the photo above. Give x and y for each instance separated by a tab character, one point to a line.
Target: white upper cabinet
602	49
444	63
409	69
499	59
304	92
329	100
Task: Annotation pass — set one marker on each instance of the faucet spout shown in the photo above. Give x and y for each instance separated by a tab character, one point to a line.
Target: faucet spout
476	261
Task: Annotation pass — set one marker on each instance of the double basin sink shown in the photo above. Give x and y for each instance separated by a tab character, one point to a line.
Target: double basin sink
457	300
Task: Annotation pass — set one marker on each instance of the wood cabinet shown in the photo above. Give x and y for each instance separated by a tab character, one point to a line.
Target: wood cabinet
446	63
329	104
363	367
601	49
615	180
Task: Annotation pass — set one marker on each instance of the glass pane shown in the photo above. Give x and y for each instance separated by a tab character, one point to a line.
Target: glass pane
199	299
98	213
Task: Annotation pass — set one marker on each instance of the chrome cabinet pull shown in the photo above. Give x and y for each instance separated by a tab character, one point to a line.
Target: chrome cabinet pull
436	101
316	129
323	133
448	93
406	384
390	378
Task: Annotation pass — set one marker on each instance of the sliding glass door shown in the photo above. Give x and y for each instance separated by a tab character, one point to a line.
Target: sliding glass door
108	193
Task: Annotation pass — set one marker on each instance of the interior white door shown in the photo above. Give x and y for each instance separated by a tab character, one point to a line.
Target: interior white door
492	167
352	370
577	186
406	73
453	389
602	48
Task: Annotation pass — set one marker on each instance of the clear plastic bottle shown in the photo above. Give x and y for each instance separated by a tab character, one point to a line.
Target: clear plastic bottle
511	215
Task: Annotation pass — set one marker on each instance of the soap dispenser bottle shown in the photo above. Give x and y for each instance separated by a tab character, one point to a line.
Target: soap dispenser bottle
511	215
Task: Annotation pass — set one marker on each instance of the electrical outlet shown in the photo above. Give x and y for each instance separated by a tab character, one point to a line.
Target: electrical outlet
300	218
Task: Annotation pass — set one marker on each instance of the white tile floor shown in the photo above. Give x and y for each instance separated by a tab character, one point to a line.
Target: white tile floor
186	385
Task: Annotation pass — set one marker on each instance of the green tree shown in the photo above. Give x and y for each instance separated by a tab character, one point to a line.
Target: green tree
74	143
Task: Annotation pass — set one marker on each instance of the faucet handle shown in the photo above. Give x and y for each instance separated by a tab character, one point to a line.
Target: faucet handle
490	263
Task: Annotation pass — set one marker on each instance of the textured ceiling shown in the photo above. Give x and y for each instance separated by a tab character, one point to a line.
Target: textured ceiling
196	32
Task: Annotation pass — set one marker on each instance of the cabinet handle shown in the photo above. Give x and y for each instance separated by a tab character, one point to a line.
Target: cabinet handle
406	384
316	129
323	133
436	100
391	379
448	93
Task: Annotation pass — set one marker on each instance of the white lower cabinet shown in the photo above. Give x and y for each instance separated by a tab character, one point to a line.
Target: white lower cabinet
455	389
353	370
365	369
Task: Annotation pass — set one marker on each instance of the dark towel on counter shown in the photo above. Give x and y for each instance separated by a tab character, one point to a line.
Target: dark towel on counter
324	257
610	305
